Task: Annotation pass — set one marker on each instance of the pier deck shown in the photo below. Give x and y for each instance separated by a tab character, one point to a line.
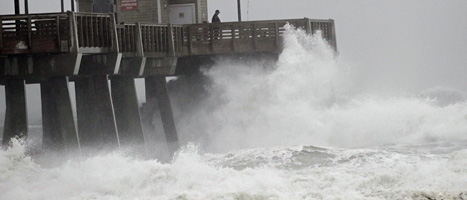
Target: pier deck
93	34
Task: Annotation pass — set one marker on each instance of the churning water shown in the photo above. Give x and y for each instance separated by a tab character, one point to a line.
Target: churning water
291	129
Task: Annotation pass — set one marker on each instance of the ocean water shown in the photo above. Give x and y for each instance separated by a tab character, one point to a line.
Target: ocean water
294	128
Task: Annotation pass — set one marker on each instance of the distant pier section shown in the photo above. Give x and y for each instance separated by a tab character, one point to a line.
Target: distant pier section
92	50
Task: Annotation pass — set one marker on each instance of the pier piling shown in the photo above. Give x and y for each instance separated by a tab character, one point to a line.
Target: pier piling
96	119
156	91
127	115
58	124
16	121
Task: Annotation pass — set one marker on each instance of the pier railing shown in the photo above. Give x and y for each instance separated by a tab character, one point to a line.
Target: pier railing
234	37
57	33
37	33
128	36
150	40
247	37
96	33
222	38
91	33
327	29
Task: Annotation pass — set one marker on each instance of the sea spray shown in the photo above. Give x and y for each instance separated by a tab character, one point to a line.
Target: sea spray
306	97
116	176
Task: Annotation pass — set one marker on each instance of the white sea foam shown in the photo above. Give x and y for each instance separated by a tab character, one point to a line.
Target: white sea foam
373	147
277	173
308	99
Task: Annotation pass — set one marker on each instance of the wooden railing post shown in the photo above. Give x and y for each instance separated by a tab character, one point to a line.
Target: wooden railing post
232	29
74	44
127	43
139	41
141	37
101	30
134	38
81	31
157	37
221	33
170	40
113	29
84	31
189	39
308	26
211	34
96	31
29	32
333	35
57	26
276	31
1	32
120	37
175	38
146	38
90	27
254	37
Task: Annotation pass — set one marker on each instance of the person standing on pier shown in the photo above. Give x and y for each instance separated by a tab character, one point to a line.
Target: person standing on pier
215	17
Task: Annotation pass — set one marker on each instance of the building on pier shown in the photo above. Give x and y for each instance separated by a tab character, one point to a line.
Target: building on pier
150	11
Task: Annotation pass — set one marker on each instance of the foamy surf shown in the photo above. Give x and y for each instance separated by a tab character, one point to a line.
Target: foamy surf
298	172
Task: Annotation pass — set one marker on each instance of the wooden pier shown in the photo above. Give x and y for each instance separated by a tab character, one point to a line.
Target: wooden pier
91	49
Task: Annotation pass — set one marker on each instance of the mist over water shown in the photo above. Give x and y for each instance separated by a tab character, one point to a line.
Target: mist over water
295	128
307	97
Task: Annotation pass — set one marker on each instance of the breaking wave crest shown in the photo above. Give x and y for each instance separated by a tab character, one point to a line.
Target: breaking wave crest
298	172
307	97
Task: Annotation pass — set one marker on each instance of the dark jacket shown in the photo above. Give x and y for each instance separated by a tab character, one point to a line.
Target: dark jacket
215	19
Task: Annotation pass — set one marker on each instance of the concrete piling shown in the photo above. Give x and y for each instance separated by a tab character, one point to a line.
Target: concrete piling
96	119
58	124
16	121
156	94
127	115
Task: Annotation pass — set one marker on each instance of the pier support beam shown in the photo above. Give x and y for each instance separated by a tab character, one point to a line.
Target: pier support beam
16	121
156	91
59	129
96	120
127	115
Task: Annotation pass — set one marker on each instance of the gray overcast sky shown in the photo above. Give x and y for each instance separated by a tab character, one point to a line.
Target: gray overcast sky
396	45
